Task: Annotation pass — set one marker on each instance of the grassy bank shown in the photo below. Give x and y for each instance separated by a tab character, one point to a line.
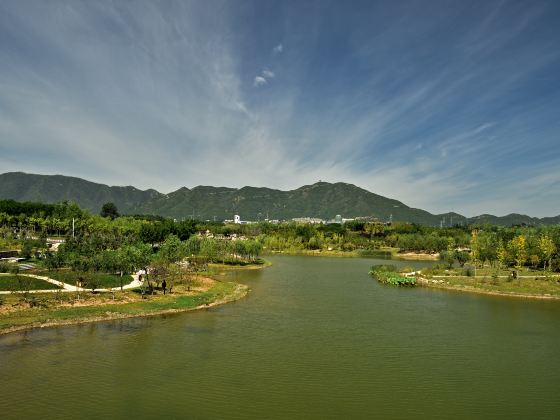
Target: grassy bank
214	268
382	253
16	314
530	287
99	280
21	283
331	253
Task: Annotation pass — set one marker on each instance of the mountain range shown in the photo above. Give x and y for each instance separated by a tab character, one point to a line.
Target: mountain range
322	200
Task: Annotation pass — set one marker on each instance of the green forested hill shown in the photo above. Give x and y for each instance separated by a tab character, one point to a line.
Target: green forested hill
323	200
20	186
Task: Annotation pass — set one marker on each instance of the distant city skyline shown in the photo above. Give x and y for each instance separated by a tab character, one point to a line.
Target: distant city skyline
443	105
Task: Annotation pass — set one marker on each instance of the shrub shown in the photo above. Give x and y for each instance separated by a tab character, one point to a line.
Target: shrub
468	272
5	267
388	274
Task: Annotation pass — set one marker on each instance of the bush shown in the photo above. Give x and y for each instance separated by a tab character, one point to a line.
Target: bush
379	253
555	264
5	267
348	246
388	274
383	268
469	272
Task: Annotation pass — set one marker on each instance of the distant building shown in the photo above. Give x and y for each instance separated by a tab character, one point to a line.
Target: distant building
308	220
237	220
338	219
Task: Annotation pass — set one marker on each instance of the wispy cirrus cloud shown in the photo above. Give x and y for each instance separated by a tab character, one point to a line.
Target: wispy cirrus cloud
185	93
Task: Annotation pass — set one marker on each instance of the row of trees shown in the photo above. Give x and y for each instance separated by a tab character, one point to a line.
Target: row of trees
103	239
523	249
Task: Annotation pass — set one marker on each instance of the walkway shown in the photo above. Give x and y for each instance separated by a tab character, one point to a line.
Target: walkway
70	288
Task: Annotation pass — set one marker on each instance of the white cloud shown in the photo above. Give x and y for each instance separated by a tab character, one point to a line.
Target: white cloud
259	81
263	78
278	49
268	74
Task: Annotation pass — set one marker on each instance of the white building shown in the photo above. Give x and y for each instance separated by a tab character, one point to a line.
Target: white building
308	220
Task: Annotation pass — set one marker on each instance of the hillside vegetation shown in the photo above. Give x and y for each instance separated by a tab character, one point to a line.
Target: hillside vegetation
323	200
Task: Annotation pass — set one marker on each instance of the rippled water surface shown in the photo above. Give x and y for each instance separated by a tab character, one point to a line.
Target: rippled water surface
316	338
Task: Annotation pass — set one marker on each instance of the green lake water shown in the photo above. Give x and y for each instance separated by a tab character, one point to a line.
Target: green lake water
316	338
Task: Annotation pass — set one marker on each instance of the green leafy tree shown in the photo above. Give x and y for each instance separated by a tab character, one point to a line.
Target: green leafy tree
475	249
171	250
502	254
462	257
518	249
109	210
547	248
54	261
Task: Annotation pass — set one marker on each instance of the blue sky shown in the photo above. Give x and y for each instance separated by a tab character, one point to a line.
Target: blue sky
444	105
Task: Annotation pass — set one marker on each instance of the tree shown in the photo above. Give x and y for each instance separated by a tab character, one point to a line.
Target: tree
26	249
535	260
171	250
53	261
475	249
192	246
547	248
518	250
462	257
502	254
448	257
109	210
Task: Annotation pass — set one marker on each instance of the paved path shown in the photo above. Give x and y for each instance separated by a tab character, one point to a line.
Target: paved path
70	288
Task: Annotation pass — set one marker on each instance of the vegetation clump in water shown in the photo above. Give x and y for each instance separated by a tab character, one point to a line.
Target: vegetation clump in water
388	274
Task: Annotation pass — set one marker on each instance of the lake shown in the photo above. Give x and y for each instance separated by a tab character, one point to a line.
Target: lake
316	338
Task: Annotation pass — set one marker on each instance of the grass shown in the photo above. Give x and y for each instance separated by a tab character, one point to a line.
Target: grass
468	271
315	252
382	253
101	307
214	268
530	286
24	283
101	280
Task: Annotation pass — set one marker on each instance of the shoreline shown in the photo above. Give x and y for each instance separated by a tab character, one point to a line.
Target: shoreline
412	256
424	282
229	267
239	292
382	254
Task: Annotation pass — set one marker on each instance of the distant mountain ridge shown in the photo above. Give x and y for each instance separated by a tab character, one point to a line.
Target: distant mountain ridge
323	200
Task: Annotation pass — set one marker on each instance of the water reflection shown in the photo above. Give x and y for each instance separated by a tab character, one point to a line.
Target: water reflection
316	338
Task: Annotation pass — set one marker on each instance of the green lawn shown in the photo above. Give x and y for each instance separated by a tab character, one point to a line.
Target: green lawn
140	307
488	272
523	286
24	283
101	280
